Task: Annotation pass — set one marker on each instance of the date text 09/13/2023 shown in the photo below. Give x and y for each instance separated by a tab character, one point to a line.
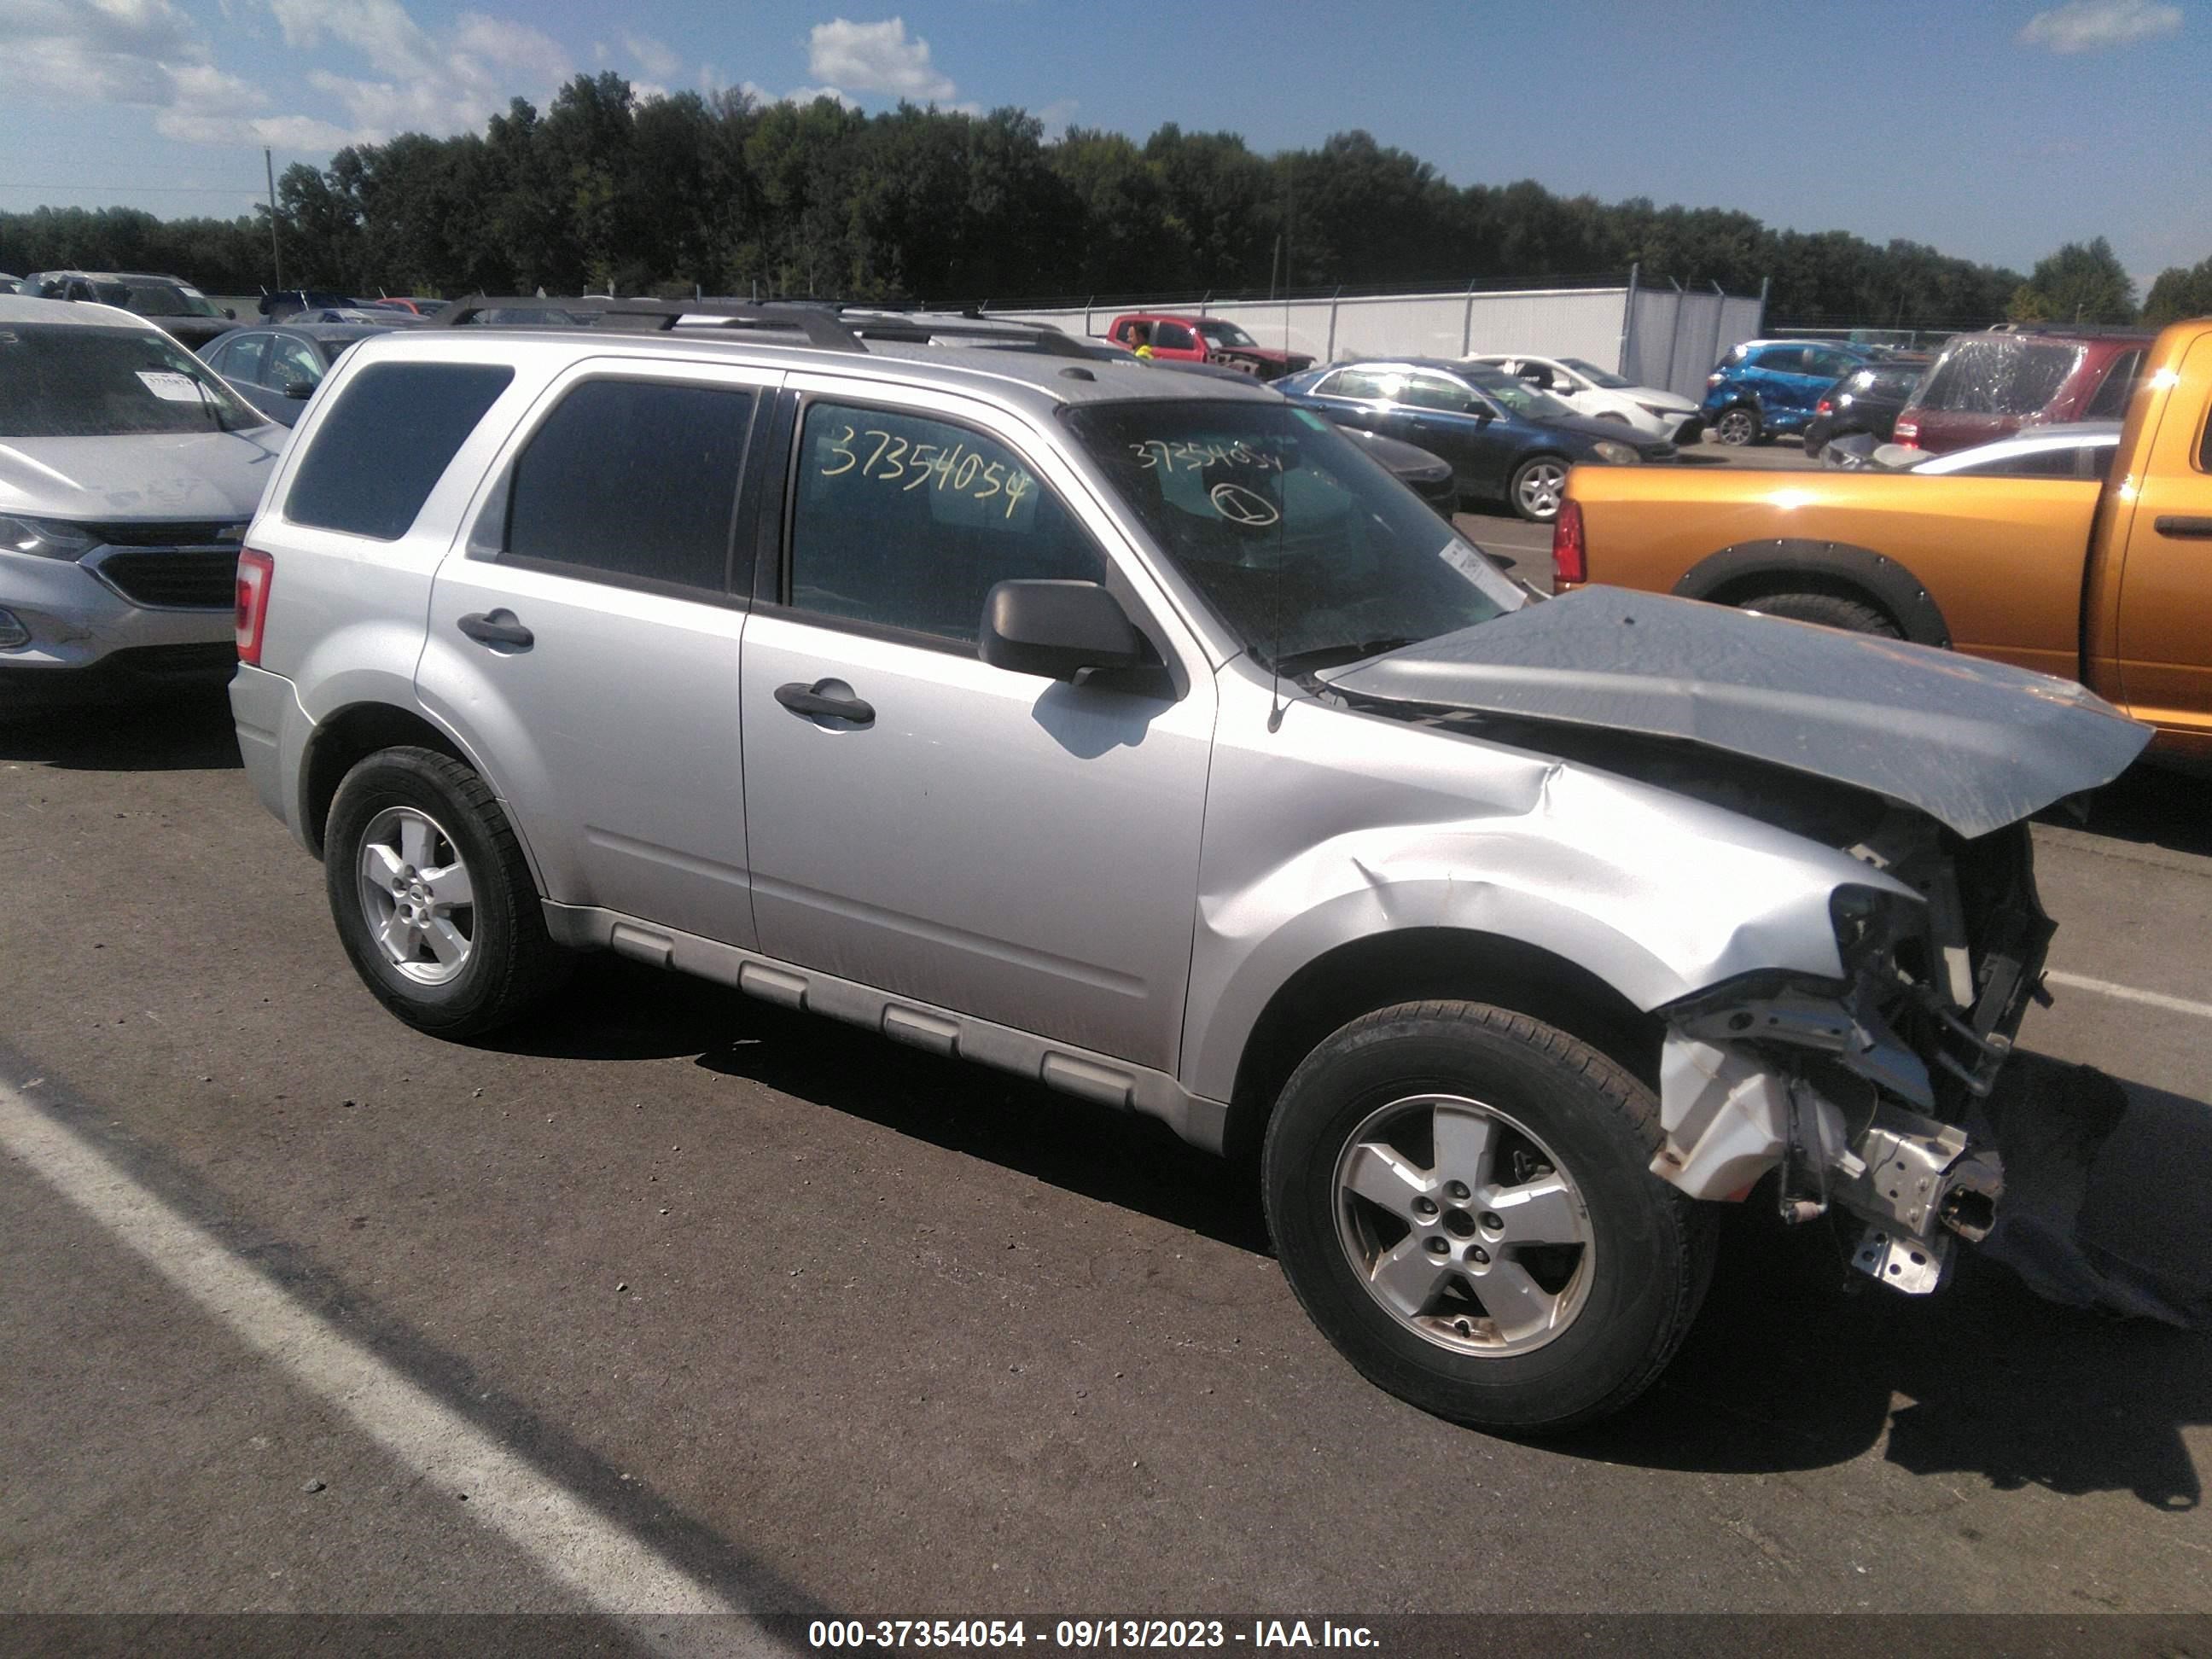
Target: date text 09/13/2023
1084	1634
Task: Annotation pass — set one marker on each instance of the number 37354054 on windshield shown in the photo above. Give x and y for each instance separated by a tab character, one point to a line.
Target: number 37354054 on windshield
886	458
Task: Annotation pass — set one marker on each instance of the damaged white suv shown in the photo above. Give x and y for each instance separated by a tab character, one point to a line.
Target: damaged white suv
1133	731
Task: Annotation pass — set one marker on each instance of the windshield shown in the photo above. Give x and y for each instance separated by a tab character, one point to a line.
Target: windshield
1308	551
1519	397
1227	334
65	381
1595	375
156	298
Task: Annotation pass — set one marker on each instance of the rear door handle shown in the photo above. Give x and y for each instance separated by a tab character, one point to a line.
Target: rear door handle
2169	525
498	627
809	700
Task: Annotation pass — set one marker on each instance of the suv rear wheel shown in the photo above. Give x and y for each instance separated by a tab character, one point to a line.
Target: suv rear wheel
1461	1199
433	900
1737	424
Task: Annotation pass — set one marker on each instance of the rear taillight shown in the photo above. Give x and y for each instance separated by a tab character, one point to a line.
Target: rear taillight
1824	407
255	573
1905	434
1570	558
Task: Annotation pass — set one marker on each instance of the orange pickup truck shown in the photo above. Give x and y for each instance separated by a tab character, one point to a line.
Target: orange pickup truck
2109	583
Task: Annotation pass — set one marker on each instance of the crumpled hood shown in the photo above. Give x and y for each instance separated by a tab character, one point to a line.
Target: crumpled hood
1975	745
167	475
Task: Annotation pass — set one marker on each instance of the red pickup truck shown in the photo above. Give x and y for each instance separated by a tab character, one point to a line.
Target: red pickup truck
1188	339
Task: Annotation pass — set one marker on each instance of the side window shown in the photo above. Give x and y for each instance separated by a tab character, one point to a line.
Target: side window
905	522
2036	463
1781	360
1171	336
1434	392
243	363
2111	399
410	418
1363	383
2204	449
1830	365
633	482
289	362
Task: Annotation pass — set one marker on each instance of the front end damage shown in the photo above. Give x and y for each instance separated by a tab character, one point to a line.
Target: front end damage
1869	1094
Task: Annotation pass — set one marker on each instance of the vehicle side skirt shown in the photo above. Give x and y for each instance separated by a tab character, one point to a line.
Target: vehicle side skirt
1058	1066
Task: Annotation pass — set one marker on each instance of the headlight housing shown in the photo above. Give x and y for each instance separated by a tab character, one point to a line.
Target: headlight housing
1661	412
46	538
1616	454
1870	923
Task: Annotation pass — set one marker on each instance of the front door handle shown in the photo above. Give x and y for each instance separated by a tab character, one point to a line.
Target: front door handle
2170	525
808	700
499	627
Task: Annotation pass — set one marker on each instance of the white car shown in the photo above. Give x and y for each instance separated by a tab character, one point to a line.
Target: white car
1590	390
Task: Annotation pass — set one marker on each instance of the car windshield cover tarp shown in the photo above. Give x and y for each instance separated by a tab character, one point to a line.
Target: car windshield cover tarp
1975	745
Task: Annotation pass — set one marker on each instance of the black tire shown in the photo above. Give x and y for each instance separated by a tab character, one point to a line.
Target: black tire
511	963
1649	1252
1522	489
1738	426
1829	610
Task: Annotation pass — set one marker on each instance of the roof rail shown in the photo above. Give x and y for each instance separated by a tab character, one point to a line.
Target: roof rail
820	327
829	324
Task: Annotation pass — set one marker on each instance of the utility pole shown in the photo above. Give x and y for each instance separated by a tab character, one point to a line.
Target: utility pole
275	258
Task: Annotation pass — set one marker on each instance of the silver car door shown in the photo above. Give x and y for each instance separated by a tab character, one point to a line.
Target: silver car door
584	640
999	844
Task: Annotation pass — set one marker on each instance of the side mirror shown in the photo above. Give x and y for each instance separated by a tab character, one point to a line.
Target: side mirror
300	390
230	314
1060	629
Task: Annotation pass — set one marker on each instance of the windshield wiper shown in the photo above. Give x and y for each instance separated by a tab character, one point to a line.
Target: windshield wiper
1333	656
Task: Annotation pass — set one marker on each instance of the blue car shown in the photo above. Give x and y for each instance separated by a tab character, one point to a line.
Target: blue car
1771	388
1506	441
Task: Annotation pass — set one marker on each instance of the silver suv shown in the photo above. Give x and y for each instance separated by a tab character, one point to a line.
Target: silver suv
128	471
1134	732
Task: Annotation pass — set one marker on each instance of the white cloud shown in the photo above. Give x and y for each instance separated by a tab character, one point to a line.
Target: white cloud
652	56
761	94
2100	25
438	86
515	46
149	54
875	58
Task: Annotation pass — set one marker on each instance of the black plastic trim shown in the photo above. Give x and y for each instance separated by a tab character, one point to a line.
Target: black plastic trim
1888	583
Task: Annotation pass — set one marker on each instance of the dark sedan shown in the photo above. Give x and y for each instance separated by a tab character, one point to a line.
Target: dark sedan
1865	400
277	369
1507	442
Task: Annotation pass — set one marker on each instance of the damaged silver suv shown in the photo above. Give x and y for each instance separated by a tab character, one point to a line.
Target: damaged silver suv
1135	732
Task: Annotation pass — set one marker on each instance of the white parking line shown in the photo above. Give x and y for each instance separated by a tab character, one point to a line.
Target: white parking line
577	1546
2105	987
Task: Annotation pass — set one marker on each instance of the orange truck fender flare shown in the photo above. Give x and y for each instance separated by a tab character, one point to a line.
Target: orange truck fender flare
1795	565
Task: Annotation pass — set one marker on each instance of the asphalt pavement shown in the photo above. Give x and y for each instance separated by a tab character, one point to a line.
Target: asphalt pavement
673	1299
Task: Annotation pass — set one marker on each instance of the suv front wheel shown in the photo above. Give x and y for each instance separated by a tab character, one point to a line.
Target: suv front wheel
1461	1199
434	900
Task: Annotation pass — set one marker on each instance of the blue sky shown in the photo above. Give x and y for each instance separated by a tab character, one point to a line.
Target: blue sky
1995	132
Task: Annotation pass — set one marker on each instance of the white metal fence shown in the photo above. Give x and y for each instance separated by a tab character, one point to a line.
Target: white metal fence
1655	337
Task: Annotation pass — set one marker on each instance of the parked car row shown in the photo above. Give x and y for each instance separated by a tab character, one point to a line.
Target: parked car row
1981	387
2074	549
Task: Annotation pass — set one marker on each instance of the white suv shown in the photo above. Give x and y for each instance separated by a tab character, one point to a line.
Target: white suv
1135	732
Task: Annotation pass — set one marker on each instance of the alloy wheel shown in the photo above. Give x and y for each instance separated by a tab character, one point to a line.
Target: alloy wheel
1463	1225
416	895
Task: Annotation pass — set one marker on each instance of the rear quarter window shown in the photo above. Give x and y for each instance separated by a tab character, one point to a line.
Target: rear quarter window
2111	398
2001	376
383	447
634	482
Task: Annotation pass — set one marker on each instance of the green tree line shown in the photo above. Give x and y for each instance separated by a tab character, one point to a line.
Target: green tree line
732	196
